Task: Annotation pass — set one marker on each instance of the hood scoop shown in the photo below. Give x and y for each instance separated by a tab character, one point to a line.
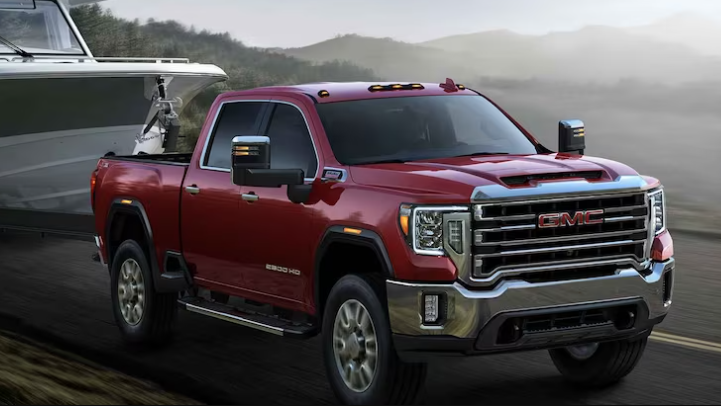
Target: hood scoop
526	179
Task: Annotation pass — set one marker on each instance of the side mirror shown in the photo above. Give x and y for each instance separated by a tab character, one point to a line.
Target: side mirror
571	136
250	166
250	152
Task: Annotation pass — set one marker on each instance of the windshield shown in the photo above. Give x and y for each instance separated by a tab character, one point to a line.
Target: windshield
40	31
419	127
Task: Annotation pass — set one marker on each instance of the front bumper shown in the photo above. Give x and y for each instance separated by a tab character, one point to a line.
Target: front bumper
497	320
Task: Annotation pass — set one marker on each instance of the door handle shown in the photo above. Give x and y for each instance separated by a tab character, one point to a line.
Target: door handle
250	197
193	190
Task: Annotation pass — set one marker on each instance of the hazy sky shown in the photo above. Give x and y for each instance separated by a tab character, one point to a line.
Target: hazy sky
291	23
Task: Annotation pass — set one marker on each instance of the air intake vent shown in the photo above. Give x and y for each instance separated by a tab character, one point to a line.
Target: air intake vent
520	180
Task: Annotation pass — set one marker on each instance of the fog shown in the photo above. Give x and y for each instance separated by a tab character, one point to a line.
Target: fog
669	137
645	76
294	23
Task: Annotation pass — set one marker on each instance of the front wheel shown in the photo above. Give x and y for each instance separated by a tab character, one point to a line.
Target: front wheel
360	360
599	365
143	316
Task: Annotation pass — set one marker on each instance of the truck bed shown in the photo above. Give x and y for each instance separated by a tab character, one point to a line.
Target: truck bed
152	185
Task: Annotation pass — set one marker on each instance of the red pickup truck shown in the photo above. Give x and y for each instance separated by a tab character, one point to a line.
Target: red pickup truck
401	222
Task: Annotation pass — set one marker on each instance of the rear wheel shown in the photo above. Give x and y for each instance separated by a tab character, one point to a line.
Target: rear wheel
360	360
143	316
601	364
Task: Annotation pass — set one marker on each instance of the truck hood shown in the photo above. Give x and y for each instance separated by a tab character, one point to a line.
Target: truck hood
457	178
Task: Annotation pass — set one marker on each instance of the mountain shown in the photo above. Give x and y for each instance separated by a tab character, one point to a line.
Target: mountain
394	60
592	54
495	42
692	30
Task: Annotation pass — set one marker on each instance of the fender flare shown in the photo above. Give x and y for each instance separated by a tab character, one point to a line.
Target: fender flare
163	281
366	238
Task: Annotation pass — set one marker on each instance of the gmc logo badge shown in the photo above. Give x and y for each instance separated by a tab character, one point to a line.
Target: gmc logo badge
579	218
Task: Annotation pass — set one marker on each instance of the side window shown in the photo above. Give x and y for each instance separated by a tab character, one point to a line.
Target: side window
291	145
239	118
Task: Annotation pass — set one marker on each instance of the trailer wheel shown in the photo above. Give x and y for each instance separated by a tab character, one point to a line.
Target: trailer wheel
143	316
599	365
360	360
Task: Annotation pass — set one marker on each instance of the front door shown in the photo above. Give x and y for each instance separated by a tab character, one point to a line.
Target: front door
213	234
279	255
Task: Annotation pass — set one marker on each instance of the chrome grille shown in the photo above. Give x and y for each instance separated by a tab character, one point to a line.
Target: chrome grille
507	237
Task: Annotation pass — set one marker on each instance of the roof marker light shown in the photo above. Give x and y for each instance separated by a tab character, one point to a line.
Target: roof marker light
396	86
323	93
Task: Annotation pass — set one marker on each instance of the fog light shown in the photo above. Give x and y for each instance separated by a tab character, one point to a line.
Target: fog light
431	309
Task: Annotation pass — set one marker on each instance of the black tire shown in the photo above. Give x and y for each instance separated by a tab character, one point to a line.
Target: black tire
611	362
395	382
155	325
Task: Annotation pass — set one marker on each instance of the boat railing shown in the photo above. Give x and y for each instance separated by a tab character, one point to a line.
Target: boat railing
81	59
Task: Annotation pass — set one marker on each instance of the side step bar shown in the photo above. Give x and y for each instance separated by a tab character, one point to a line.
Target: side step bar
267	324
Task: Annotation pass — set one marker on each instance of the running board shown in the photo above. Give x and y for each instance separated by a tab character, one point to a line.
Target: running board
260	322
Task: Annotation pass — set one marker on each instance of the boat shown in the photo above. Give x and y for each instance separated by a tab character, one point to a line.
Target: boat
61	109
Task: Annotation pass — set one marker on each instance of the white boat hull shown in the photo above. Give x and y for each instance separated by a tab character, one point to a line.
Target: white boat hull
56	124
51	171
61	109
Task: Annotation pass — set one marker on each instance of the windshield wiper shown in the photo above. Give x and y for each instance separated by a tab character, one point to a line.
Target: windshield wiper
17	49
481	153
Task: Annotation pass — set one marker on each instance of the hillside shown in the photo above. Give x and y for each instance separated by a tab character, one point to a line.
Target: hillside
247	67
692	30
592	54
393	58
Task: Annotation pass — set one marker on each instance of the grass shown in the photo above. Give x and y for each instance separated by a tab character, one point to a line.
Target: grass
33	374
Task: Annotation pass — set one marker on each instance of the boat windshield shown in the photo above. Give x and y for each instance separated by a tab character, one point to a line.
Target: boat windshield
41	29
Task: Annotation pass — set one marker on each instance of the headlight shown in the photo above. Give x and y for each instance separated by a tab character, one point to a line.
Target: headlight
429	229
658	211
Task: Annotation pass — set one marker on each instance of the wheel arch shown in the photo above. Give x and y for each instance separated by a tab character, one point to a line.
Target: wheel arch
126	212
359	238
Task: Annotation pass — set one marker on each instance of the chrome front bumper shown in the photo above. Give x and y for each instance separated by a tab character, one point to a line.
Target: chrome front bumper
470	313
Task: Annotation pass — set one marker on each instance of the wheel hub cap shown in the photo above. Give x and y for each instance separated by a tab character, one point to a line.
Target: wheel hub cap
131	292
355	345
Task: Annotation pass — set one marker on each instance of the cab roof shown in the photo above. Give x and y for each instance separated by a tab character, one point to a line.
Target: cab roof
329	92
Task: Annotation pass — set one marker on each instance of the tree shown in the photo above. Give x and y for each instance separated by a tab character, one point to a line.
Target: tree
108	35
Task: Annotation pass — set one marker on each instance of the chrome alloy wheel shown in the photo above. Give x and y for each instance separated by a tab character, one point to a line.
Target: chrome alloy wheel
131	292
355	345
582	352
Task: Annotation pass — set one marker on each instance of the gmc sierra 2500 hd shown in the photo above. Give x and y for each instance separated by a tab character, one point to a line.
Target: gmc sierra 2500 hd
401	222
